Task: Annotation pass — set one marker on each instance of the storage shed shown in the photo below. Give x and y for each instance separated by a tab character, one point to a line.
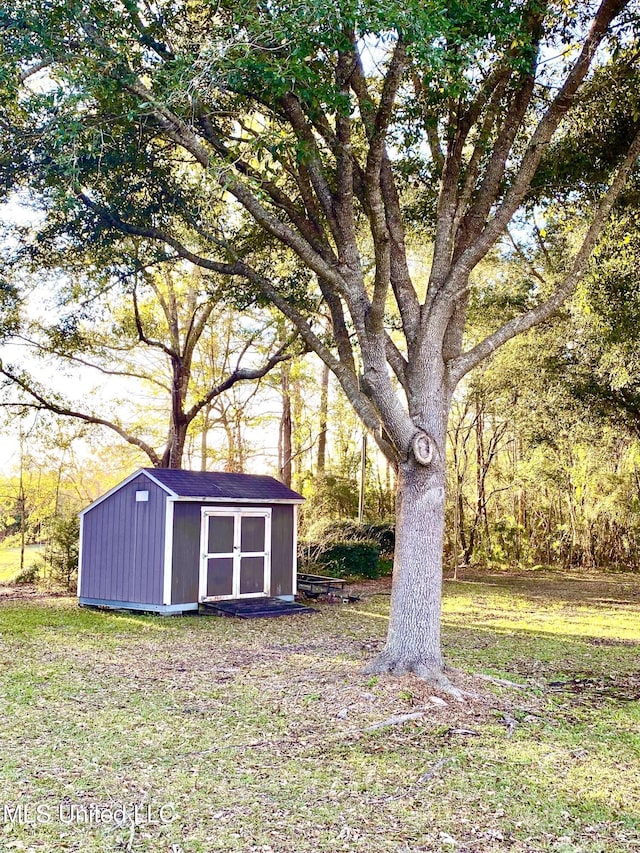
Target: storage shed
167	541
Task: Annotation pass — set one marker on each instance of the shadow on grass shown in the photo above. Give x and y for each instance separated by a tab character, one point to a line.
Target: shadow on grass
557	586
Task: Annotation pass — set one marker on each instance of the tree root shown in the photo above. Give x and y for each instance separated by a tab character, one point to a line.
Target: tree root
431	673
502	682
395	720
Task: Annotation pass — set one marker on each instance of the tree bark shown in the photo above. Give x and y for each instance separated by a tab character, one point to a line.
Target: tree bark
482	518
22	504
324	408
413	639
204	438
284	446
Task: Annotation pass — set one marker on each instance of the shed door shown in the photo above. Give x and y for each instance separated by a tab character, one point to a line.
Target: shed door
235	554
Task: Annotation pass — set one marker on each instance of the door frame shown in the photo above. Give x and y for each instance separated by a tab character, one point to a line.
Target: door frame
237	513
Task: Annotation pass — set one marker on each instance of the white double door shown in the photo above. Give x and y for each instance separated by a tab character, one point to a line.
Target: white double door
235	549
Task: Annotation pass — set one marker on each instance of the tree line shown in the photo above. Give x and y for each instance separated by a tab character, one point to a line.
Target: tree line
541	471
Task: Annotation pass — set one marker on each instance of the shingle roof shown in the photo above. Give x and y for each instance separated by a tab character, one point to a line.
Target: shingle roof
219	484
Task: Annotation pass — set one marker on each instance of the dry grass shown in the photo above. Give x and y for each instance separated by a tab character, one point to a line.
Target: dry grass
257	732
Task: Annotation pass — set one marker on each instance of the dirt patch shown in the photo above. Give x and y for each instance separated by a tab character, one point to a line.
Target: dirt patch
27	591
371	589
607	641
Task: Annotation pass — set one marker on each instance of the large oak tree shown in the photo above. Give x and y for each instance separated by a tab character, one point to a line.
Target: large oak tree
359	139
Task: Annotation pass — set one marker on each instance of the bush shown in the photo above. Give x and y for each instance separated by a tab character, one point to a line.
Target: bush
352	531
30	574
61	555
337	558
12	540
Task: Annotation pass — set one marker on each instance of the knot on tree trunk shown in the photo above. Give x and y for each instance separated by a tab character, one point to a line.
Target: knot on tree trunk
423	447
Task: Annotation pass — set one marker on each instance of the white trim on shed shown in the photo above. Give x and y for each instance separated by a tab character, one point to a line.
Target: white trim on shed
294	582
124	483
168	550
267	501
80	541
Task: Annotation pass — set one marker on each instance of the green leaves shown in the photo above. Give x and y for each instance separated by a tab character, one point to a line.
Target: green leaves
9	309
596	134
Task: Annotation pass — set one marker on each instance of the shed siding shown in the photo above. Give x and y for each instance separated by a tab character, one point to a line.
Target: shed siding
282	550
186	552
186	549
123	546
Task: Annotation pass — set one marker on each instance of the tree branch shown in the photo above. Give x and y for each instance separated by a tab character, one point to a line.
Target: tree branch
401	282
239	375
126	374
150	342
448	198
541	137
460	366
65	411
373	186
343	372
521	254
280	199
298	121
33	69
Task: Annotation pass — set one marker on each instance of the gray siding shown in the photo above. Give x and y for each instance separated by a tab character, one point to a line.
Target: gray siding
186	552
282	550
186	549
123	546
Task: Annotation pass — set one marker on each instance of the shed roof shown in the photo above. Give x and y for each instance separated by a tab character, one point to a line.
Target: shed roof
220	484
214	486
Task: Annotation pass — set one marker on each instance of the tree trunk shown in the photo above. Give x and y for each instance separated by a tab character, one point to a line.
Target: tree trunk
461	520
56	505
204	438
284	446
174	451
234	453
481	474
324	408
178	425
413	640
22	503
23	524
363	478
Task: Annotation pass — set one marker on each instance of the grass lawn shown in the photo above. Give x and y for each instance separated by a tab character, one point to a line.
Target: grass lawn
10	560
256	736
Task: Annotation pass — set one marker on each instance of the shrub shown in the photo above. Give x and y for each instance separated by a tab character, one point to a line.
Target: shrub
12	540
30	574
337	558
352	531
61	555
327	497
